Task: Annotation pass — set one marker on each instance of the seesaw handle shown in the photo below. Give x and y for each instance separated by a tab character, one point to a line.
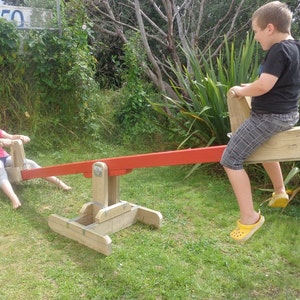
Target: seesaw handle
231	94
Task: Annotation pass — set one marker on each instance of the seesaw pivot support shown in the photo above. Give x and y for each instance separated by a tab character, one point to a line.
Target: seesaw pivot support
104	215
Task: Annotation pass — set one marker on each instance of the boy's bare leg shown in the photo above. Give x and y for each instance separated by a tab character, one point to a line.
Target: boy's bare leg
8	190
273	170
242	189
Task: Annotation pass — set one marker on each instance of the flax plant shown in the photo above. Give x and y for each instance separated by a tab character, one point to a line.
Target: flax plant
200	108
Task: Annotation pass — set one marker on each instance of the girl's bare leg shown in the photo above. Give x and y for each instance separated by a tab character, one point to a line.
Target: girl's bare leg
58	182
52	179
8	190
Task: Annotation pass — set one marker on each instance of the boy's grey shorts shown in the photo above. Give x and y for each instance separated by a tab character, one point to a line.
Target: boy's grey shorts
252	133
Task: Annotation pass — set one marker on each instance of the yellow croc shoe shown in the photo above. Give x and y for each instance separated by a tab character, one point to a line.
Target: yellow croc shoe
244	232
279	200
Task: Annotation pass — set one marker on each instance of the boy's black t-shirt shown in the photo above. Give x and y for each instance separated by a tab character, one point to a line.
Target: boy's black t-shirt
282	61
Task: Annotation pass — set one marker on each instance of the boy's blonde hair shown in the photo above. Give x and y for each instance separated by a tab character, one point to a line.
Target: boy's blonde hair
276	13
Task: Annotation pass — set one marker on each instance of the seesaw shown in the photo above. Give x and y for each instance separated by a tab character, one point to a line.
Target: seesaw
106	213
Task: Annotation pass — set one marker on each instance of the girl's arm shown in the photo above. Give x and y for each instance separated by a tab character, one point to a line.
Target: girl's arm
25	139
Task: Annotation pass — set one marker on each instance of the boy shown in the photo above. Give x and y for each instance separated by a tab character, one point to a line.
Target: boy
275	96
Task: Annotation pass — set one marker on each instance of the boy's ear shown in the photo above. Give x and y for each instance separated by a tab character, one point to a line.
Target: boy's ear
270	28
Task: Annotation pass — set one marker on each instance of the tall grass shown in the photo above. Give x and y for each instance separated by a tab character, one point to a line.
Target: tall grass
200	109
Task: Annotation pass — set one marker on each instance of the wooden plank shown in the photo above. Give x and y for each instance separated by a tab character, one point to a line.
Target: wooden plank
14	174
117	223
18	160
80	234
122	165
17	154
284	146
90	208
149	216
239	111
112	211
113	190
100	183
85	220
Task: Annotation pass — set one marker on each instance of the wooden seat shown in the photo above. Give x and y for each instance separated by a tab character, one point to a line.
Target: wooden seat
18	160
284	146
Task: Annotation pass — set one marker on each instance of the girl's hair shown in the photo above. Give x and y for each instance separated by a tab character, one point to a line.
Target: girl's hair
276	13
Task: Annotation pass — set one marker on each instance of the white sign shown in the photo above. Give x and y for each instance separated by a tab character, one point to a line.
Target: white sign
27	17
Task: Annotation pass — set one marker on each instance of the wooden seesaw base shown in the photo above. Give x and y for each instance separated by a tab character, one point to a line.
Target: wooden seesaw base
106	214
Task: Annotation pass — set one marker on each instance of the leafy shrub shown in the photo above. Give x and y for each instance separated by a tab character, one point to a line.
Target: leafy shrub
135	117
62	67
9	42
12	71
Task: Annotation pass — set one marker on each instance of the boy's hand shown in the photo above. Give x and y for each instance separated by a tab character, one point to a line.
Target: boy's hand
235	92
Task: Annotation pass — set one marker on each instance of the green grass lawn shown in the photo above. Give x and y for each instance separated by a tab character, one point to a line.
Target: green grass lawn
190	257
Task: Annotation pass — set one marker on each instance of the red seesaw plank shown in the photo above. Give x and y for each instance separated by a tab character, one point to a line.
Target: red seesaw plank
125	164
